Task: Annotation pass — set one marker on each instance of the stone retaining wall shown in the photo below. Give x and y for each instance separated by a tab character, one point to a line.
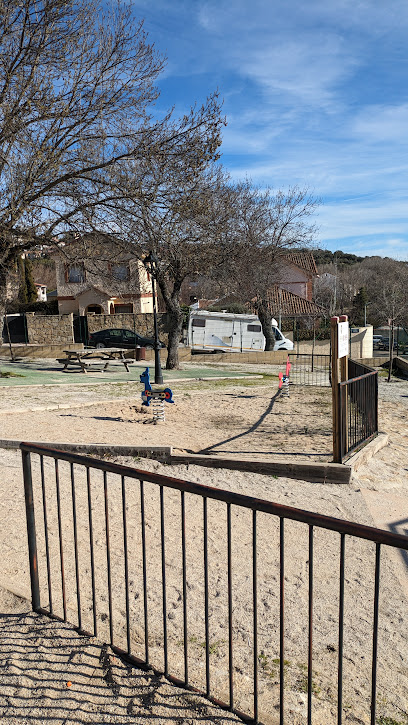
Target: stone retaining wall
256	357
58	329
401	365
140	323
50	352
49	329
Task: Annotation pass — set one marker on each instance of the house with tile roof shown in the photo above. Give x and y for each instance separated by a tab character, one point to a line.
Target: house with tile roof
101	280
292	296
298	272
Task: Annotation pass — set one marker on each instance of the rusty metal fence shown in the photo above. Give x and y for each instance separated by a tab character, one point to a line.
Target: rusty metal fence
358	408
310	369
232	596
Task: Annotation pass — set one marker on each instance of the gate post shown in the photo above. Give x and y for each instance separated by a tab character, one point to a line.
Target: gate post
335	388
32	541
339	402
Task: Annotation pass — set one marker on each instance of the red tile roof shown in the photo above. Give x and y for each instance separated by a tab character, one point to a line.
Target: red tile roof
290	305
304	260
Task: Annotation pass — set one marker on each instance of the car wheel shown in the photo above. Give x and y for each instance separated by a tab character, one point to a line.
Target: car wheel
100	344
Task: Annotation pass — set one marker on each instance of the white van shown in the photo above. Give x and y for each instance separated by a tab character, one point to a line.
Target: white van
226	332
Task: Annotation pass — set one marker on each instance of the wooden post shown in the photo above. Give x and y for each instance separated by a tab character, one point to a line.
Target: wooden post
343	360
335	388
339	402
343	400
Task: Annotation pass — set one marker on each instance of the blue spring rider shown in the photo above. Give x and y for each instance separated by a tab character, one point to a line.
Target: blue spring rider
148	394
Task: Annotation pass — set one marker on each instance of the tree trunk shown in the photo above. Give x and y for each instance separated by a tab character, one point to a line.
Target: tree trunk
391	344
3	296
175	318
3	301
265	318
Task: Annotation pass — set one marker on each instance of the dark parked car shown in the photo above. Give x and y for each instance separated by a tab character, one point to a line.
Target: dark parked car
120	338
385	345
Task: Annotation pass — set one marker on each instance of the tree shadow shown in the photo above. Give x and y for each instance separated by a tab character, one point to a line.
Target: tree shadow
51	674
396	527
250	430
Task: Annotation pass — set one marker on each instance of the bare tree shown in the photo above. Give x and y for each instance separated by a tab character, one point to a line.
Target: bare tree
387	289
178	206
75	86
269	226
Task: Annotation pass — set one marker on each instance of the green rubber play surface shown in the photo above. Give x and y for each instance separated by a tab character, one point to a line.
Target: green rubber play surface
46	372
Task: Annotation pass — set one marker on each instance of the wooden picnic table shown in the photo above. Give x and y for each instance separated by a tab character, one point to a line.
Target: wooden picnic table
79	358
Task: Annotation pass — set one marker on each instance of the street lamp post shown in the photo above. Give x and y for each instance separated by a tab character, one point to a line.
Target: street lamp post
151	260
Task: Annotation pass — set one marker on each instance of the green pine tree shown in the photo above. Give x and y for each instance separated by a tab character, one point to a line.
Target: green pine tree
360	303
30	284
22	292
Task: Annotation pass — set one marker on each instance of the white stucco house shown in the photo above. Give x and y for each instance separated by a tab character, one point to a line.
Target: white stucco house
103	281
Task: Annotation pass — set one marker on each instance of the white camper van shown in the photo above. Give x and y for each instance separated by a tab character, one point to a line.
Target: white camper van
226	332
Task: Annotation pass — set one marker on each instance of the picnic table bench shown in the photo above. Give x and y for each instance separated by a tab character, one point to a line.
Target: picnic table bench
82	358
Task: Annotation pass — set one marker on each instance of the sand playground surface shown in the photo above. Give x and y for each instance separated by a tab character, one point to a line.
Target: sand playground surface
223	418
51	674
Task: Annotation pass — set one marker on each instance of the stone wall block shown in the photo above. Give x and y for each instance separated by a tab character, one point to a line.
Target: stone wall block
49	329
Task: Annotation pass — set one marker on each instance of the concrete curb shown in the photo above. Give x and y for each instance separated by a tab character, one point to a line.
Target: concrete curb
363	456
314	472
160	453
68	406
171	381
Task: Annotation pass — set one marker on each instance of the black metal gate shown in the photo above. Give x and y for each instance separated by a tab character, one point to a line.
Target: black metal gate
15	328
81	329
358	408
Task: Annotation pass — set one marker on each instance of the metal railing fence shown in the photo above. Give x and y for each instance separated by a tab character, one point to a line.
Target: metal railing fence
216	569
310	369
358	407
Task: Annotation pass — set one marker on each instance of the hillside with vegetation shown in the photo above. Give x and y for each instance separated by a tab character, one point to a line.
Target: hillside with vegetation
368	289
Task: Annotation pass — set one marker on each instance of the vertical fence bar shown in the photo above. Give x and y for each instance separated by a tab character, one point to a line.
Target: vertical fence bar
126	562
183	553
32	540
282	620
108	561
341	423
230	649
61	548
206	592
310	655
163	565
47	546
91	549
376	401
375	634
144	568
255	607
341	634
74	520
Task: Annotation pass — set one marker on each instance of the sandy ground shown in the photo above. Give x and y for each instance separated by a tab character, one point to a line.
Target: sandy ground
243	421
233	421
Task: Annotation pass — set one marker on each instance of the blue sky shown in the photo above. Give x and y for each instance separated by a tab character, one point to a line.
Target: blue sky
315	94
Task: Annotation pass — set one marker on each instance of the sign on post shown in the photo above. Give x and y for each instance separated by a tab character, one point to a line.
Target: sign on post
340	350
343	339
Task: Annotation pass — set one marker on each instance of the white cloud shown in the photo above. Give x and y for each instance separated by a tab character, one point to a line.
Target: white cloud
382	123
305	69
383	226
304	49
